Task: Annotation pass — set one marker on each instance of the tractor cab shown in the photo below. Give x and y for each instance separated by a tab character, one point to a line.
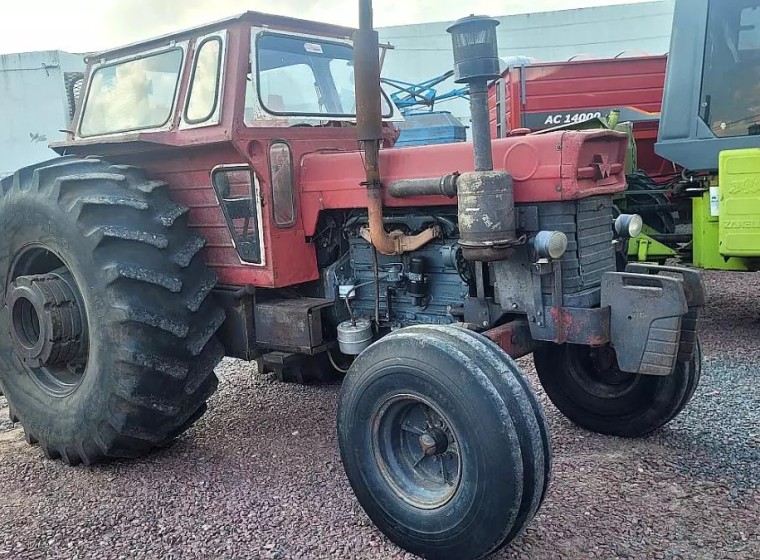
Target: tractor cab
712	91
292	72
246	98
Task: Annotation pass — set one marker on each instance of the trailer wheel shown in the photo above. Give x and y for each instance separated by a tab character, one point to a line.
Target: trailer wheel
444	446
108	345
587	386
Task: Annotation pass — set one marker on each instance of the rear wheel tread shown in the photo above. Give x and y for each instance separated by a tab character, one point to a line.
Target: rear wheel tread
144	274
151	258
129	234
185	254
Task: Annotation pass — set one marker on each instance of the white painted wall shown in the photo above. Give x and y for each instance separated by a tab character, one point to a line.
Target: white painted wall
33	105
424	51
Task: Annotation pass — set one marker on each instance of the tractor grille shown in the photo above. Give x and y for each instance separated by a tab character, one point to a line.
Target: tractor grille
588	225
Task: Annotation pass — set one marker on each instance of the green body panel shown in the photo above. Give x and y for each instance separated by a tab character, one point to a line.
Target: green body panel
739	222
706	239
645	249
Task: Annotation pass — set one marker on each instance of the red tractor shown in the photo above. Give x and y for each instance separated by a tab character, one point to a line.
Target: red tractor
229	212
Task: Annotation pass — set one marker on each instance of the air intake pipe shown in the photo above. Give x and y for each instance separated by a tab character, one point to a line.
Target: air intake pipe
369	128
487	219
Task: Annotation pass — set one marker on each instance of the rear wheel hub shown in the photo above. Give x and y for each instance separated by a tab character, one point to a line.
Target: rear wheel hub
45	320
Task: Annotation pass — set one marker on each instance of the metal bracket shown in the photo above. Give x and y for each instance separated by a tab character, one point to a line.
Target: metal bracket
540	268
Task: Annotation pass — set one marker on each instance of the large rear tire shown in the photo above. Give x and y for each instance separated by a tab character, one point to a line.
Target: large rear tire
111	349
444	446
590	390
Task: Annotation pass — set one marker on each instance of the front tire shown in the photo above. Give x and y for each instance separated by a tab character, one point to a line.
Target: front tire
590	390
110	348
442	442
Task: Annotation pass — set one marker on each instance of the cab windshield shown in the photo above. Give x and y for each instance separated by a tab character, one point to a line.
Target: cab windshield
299	76
731	76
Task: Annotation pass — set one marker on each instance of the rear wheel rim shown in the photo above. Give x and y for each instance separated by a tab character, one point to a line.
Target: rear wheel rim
417	451
56	377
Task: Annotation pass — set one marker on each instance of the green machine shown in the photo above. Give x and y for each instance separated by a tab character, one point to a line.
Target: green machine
710	126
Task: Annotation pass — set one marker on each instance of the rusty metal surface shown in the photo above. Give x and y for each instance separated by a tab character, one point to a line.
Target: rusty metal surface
480	129
487	218
514	338
590	327
291	325
425	186
403	243
369	120
369	131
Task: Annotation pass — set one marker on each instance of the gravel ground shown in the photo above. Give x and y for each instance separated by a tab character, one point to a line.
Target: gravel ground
260	477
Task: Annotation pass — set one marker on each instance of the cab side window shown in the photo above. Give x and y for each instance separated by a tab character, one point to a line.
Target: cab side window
203	97
135	94
731	76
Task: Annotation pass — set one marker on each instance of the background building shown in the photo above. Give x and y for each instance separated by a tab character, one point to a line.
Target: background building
35	104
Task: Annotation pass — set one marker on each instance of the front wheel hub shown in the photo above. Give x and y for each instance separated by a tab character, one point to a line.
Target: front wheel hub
45	320
417	451
434	442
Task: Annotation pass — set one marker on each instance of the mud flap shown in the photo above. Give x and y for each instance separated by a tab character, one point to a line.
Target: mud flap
646	317
694	290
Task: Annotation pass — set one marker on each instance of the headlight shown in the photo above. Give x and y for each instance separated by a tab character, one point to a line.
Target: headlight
550	244
629	225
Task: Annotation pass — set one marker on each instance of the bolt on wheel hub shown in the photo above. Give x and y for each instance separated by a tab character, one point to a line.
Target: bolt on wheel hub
45	320
434	442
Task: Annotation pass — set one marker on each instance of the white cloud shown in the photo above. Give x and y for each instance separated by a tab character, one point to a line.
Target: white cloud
87	25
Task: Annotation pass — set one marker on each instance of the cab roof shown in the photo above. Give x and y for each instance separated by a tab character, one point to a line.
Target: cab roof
248	18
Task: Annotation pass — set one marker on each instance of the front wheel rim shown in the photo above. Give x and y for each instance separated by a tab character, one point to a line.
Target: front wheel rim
417	451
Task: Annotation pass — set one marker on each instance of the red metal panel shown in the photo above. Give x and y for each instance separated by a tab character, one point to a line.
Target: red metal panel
636	84
545	168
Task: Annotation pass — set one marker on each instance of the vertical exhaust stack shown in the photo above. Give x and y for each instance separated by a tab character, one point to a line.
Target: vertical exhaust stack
487	220
369	129
369	119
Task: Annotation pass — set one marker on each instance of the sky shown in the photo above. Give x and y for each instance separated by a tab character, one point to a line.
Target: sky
91	25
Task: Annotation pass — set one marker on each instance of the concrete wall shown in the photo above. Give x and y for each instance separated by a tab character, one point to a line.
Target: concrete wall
33	105
424	51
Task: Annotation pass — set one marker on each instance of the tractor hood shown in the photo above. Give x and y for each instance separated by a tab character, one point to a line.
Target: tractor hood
563	165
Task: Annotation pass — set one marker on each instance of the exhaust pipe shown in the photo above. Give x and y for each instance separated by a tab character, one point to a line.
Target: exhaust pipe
487	218
369	129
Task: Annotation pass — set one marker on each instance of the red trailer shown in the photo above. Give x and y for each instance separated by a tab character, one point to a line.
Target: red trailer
542	96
